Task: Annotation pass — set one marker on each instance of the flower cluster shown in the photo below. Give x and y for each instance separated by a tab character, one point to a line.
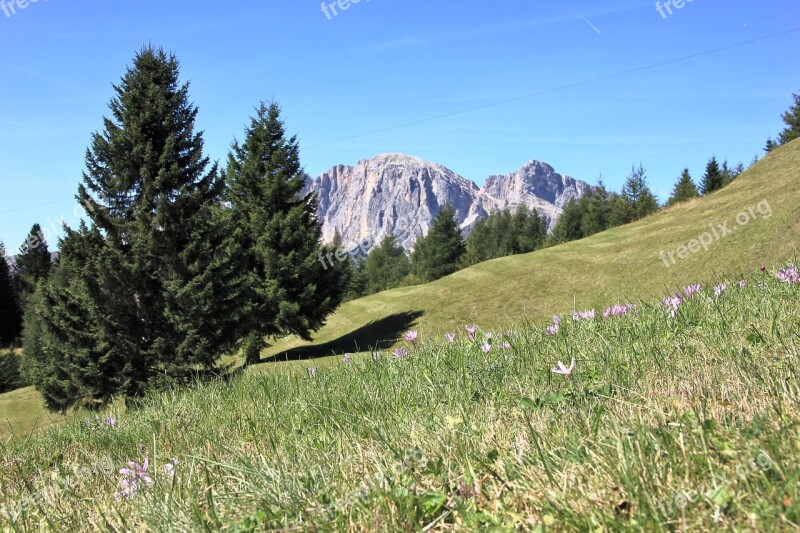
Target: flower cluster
583	315
618	310
555	328
719	289
789	275
691	291
134	478
672	304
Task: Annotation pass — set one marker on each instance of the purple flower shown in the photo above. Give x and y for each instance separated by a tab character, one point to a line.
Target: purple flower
617	310
673	304
451	337
486	348
583	315
471	329
719	289
376	356
133	478
742	284
553	330
169	468
563	370
505	346
110	422
312	372
691	291
789	275
400	353
488	335
347	358
411	336
556	320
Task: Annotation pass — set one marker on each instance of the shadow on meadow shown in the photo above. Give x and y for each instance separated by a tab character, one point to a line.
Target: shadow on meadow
378	335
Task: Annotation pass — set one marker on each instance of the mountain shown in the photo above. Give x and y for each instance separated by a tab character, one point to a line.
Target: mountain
401	194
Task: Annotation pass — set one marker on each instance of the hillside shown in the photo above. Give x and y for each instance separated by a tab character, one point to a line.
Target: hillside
619	264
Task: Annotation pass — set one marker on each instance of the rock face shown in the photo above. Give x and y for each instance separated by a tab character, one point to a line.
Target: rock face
401	194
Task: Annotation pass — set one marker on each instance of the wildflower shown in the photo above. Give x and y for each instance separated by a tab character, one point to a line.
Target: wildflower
553	330
563	370
133	478
110	422
617	310
485	348
719	289
673	304
451	337
471	331
583	315
347	358
312	372
691	291
789	275
742	284
411	336
400	353
92	421
505	346
556	320
376	356
169	468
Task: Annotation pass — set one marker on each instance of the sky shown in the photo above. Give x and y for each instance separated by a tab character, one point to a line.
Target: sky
480	87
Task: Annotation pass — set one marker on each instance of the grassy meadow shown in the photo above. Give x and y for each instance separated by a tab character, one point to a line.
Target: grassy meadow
666	423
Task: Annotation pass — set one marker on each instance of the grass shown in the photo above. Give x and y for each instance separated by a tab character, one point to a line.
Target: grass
685	423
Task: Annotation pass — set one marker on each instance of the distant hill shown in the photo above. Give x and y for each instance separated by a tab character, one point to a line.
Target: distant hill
625	262
401	194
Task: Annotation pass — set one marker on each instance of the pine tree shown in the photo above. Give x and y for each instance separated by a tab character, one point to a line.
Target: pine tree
770	146
685	189
439	252
159	286
638	194
596	209
10	314
713	179
387	265
32	263
792	120
530	230
569	225
620	211
293	289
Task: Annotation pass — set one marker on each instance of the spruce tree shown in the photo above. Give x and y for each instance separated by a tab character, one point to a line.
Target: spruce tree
569	225
713	180
386	266
792	120
32	263
530	230
439	252
10	313
620	211
685	189
638	194
161	285
292	288
596	209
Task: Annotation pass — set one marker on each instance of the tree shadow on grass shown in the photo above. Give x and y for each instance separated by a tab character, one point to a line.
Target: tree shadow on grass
379	335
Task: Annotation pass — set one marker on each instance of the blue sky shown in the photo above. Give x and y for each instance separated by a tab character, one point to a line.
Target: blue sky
348	83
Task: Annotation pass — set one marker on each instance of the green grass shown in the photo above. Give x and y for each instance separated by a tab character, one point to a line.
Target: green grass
688	423
617	264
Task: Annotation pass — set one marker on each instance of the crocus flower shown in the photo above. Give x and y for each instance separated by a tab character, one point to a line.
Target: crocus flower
376	356
488	335
137	472
400	353
673	304
169	468
347	358
563	370
617	310
742	284
485	348
506	346
691	291
789	275
411	336
556	319
312	372
110	422
451	337
719	289
553	330
583	315
471	331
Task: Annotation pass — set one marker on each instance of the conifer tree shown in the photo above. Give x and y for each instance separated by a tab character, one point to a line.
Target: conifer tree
387	265
291	290
792	120
713	179
439	252
685	189
638	194
155	281
32	263
530	230
569	225
10	314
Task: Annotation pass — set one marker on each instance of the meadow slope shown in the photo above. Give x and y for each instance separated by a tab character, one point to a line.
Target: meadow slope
620	264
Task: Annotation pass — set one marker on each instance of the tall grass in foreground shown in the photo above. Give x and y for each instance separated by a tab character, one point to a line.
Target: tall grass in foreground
666	423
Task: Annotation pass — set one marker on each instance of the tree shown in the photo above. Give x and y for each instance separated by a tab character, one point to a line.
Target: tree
438	253
685	189
32	263
638	194
386	266
792	120
10	314
149	292
569	225
596	210
292	289
530	230
713	178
